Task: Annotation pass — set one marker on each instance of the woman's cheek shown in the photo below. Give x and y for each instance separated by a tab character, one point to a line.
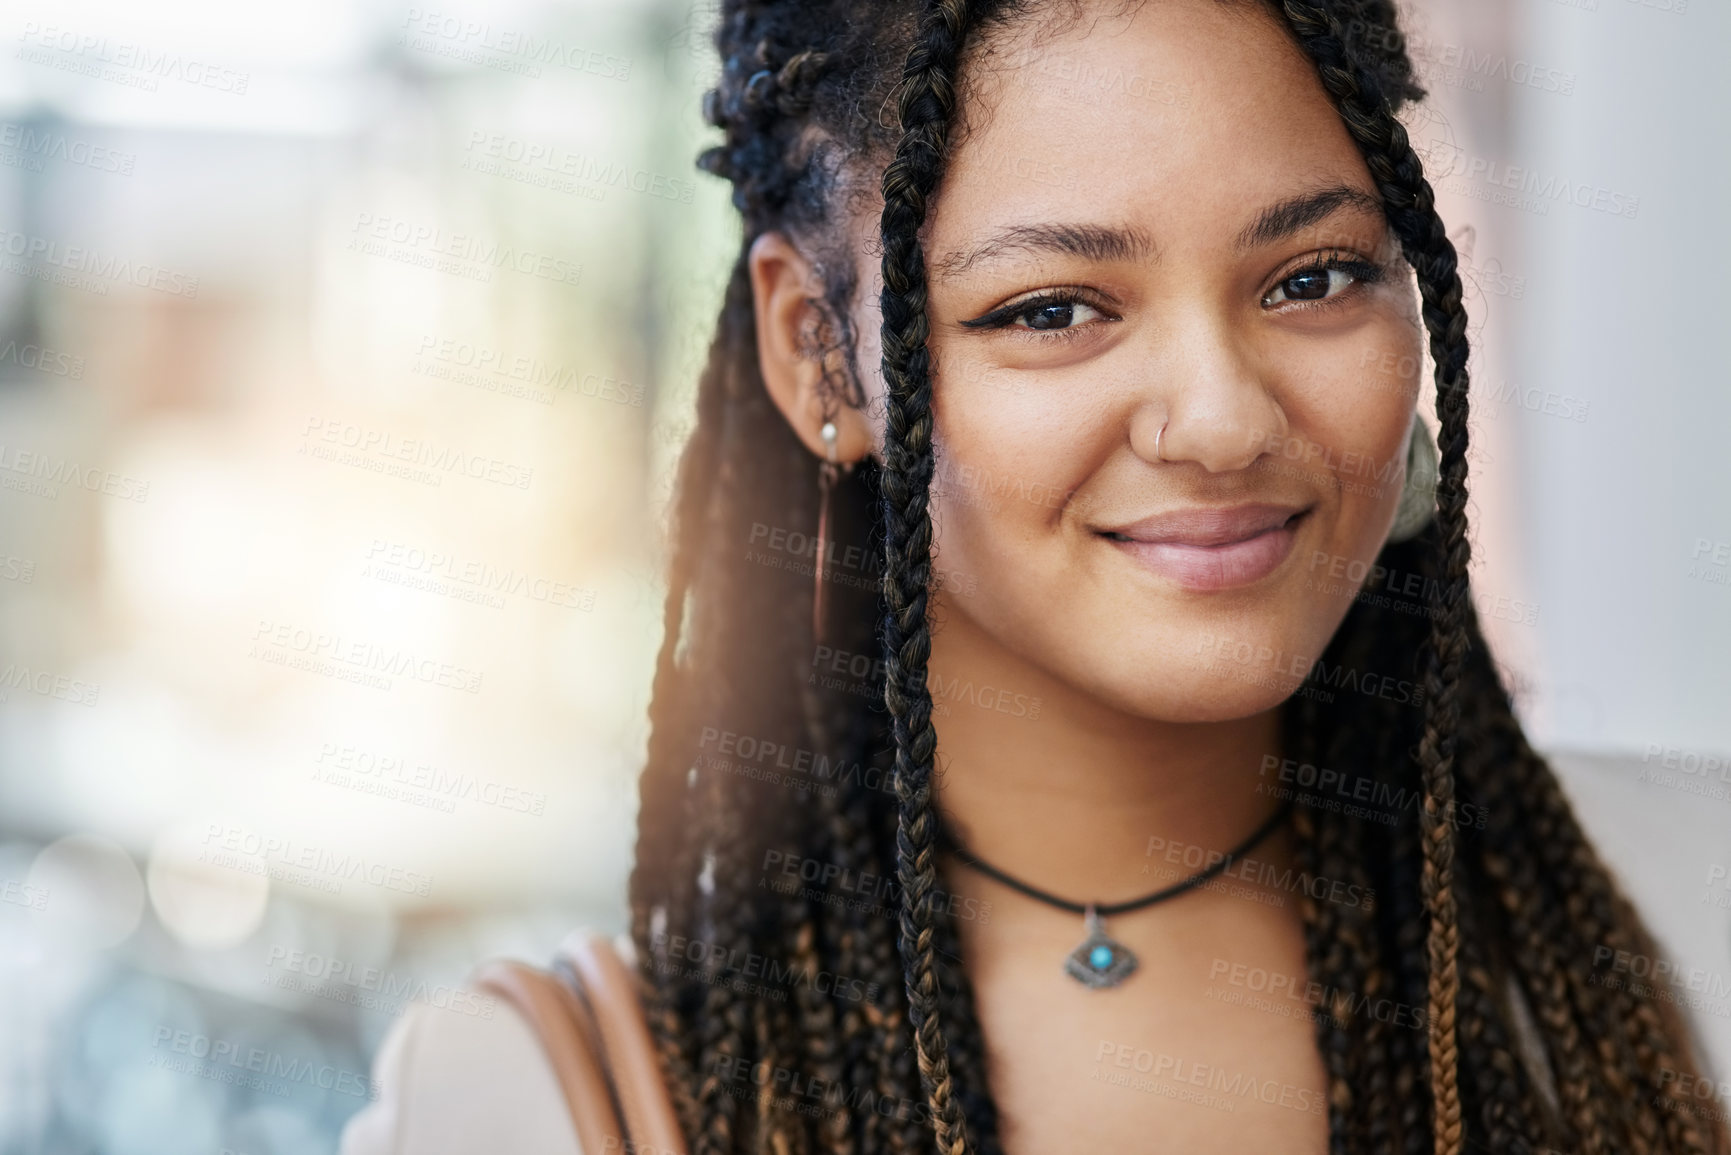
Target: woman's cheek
989	509
1351	406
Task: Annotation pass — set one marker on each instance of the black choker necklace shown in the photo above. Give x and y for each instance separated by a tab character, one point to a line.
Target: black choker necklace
1102	961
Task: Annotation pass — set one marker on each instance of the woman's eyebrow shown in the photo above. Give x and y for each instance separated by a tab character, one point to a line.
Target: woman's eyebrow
1089	241
1096	242
1283	218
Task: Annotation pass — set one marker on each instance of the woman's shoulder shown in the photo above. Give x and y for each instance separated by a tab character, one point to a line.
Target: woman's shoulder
456	1083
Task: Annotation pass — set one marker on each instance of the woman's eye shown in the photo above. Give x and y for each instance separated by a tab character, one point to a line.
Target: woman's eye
1320	282
1056	315
1050	316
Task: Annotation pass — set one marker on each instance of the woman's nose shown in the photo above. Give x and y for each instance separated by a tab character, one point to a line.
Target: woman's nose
1215	407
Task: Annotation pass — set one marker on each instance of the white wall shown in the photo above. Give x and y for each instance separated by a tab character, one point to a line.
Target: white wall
1630	315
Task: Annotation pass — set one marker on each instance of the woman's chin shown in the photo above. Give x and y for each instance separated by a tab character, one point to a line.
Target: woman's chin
1201	699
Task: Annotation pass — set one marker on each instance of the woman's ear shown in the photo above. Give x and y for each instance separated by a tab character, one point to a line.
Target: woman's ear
786	293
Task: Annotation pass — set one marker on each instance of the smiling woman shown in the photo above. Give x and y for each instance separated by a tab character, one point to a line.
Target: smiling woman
1112	368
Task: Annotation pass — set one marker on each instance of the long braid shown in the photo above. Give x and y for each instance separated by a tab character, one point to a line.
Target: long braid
801	1032
1371	737
722	1030
968	1050
1504	1095
1578	904
1410	206
1410	924
1331	946
926	103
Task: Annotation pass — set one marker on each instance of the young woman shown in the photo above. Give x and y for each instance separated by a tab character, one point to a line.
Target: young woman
1072	731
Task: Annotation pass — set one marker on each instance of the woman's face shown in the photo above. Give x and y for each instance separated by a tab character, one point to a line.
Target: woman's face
1153	223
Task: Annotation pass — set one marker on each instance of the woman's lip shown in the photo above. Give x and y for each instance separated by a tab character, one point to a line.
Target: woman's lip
1209	527
1217	567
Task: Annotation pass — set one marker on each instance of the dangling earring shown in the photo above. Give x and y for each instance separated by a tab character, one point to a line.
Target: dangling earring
828	472
1418	492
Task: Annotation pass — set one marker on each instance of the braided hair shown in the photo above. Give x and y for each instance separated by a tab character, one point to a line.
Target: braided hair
829	868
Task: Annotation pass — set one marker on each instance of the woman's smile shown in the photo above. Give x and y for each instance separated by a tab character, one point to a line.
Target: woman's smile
1212	549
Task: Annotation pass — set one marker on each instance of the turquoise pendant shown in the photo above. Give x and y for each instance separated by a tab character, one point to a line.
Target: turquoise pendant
1101	960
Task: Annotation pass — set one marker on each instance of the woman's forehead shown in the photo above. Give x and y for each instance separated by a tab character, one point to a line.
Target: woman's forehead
1182	100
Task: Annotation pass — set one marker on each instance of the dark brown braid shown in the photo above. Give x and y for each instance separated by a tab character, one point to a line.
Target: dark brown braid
1478	926
926	103
1411	210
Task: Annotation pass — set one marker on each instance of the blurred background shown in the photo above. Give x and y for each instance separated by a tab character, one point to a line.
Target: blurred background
345	349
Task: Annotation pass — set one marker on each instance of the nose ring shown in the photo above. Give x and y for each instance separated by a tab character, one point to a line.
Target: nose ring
1157	438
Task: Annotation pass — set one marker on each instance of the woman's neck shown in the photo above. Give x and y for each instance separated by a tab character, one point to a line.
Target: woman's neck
1045	781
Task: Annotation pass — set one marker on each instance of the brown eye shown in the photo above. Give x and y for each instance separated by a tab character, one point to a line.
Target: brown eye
1322	282
1053	315
1310	285
1050	316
